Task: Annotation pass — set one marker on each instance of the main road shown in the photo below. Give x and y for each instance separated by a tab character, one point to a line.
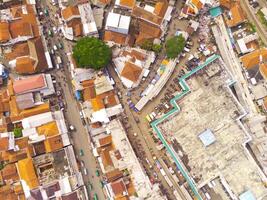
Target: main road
252	17
80	138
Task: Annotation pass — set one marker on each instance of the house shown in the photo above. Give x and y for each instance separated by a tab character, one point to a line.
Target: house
253	63
100	102
125	4
254	58
248	43
117	29
18	24
28	57
133	64
78	21
151	20
118	23
235	16
192	7
101	3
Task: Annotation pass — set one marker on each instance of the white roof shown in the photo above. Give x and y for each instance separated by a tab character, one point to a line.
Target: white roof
37	120
48	60
207	137
264	11
149	8
113	19
124	22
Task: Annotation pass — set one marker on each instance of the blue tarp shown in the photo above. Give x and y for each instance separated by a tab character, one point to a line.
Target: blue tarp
216	11
248	195
78	95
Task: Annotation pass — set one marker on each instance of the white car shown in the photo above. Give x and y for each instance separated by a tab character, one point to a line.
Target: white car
55	47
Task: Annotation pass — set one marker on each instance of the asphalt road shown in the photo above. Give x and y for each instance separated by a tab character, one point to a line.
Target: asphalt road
80	137
251	15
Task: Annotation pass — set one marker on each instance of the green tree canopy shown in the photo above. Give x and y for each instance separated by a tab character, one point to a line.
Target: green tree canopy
90	52
174	46
17	132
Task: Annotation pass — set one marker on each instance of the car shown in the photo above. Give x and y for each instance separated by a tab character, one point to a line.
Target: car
102	184
55	29
82	163
81	152
46	12
85	171
81	115
95	197
55	47
72	128
97	173
52	51
89	186
50	33
60	45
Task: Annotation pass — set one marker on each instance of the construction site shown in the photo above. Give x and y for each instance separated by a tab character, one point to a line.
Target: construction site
210	138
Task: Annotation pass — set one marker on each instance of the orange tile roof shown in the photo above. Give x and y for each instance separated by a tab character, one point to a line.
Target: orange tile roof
89	93
114	175
16	11
118	188
69	12
25	64
30	56
36	110
53	143
20	28
28	84
197	3
18	50
263	70
4	143
139	12
237	17
97	104
106	159
88	83
161	8
127	3
104	2
147	32
115	37
10	172
27	172
131	72
228	3
48	129
8	192
4	32
105	140
252	59
76	25
111	101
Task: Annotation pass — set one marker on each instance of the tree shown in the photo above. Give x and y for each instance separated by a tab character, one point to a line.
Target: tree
147	45
174	46
17	132
90	52
156	48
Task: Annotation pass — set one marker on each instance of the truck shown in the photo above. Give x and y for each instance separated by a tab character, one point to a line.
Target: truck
59	61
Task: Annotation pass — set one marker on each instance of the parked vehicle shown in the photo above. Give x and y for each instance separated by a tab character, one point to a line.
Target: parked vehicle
97	173
55	47
81	152
72	128
95	197
60	45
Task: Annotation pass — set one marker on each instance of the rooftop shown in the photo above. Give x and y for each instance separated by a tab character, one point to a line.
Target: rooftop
210	104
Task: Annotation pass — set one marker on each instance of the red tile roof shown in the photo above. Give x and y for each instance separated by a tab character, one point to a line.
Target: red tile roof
28	84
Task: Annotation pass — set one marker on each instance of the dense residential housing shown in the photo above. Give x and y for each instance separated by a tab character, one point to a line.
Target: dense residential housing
78	21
